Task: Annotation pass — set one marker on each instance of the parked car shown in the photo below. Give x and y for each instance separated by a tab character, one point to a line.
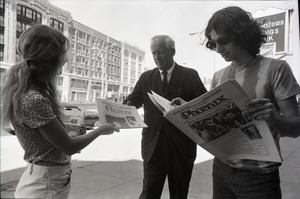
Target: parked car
91	118
68	107
73	118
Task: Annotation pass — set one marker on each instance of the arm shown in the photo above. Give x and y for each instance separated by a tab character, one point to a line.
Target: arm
56	134
136	97
285	117
286	120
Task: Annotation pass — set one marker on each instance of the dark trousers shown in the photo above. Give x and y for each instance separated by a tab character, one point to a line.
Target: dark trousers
166	161
232	183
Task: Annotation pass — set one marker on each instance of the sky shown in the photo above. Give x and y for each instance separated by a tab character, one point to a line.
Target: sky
136	22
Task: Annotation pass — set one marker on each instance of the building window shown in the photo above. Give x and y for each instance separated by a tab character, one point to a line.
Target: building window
80	47
125	89
81	97
140	59
133	56
125	71
132	80
2	39
38	17
133	65
2	21
126	53
56	24
60	81
96	86
132	73
76	83
125	62
1	55
21	27
2	2
19	10
29	13
80	35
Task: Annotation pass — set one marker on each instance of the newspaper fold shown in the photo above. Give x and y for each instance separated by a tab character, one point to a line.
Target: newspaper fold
214	121
121	115
161	103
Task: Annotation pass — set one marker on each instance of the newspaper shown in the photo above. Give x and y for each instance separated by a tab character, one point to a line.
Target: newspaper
161	103
214	121
121	115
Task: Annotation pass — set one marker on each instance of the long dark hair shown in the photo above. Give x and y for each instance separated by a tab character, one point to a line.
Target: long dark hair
239	25
43	50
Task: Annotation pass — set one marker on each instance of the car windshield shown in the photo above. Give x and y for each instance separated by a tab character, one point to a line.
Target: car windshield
90	110
72	108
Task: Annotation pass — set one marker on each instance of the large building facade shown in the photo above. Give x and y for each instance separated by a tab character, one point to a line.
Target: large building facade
98	66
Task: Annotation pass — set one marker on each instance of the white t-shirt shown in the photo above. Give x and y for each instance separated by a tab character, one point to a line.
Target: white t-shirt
262	78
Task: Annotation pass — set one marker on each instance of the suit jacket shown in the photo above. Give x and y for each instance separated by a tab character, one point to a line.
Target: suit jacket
184	83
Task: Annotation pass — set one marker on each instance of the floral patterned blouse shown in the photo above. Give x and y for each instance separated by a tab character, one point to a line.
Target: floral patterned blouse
35	111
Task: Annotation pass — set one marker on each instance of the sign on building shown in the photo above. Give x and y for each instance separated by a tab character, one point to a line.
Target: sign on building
276	27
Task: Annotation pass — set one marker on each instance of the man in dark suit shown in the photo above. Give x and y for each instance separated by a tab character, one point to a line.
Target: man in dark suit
166	150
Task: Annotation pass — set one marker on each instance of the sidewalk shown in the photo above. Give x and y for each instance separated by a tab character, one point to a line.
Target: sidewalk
100	172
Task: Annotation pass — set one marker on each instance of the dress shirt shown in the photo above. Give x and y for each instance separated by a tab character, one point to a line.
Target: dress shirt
169	71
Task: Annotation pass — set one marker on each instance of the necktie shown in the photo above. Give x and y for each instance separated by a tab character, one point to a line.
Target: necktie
165	81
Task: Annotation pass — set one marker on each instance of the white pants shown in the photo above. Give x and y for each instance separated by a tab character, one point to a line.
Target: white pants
44	182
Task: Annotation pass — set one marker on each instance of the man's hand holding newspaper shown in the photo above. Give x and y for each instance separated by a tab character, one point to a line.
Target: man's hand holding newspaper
216	121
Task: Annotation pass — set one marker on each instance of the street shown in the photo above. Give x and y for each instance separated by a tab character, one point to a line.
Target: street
111	168
107	168
121	146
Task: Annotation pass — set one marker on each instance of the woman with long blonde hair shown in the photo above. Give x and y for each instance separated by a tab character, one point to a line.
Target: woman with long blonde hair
30	104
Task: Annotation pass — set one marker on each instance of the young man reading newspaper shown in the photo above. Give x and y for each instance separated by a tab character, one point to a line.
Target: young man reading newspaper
270	84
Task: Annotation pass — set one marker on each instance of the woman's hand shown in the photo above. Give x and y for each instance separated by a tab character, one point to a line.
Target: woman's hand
107	129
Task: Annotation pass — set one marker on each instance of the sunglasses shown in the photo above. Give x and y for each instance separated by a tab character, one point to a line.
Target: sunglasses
221	41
